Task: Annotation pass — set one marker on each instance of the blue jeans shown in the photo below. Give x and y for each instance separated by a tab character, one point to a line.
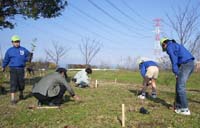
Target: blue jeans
83	84
185	71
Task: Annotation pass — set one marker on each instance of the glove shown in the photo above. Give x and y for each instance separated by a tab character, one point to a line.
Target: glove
144	111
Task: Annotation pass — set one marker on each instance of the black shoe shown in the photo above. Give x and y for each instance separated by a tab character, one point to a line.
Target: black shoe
2	90
40	104
21	97
53	104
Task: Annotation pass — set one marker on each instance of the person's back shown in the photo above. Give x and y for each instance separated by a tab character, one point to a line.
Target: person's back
178	55
179	51
43	83
49	81
149	71
81	78
51	88
146	64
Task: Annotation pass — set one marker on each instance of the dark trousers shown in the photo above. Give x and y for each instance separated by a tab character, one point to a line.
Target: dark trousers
17	80
57	100
83	85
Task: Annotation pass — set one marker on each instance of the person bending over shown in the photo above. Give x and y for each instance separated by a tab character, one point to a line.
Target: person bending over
149	71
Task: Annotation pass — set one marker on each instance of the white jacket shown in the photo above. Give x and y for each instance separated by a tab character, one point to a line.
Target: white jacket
81	76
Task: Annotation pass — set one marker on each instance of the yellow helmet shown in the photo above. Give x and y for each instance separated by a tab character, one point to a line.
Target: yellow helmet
163	40
15	38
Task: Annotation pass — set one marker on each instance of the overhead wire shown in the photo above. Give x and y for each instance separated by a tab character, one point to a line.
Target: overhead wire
127	16
112	17
98	25
99	22
135	12
95	33
123	24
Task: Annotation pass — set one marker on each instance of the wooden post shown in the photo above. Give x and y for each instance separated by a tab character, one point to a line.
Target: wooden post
47	107
123	115
96	84
42	107
115	80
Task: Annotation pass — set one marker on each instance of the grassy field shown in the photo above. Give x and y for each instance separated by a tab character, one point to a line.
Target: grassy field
101	107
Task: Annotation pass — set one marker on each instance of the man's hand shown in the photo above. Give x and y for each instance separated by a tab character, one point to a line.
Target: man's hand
3	69
77	98
176	77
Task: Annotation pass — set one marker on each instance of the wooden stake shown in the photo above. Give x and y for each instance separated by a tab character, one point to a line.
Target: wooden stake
96	84
42	107
47	107
123	115
115	80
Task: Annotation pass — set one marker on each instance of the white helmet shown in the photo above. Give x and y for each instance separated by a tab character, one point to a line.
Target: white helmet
139	61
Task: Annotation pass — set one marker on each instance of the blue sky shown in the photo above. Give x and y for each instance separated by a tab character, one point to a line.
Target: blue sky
124	27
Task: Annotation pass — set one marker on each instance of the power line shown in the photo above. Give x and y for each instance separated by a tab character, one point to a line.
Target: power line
98	21
85	28
106	31
124	14
113	18
135	12
89	20
67	29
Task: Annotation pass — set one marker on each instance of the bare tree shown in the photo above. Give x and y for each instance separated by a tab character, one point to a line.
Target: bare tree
105	64
57	53
185	23
164	62
194	47
89	48
126	63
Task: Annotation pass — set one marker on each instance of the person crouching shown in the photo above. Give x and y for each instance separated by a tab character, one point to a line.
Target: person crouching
81	78
51	88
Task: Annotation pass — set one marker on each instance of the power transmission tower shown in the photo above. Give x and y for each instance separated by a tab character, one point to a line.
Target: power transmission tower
157	48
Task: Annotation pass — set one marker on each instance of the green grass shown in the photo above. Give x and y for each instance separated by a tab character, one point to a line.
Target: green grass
101	107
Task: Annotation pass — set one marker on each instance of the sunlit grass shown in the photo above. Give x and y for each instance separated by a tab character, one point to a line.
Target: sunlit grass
101	107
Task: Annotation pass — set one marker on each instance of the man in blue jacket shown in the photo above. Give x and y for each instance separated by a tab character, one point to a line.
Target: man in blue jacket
182	66
149	71
16	57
